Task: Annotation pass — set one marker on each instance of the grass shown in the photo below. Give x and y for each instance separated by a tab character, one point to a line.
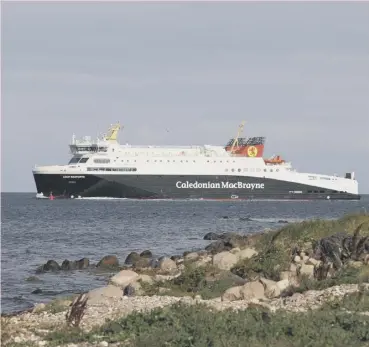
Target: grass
276	248
197	325
298	234
346	275
207	281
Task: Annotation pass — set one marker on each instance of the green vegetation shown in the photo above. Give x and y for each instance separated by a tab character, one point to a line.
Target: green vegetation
185	326
276	249
299	234
207	281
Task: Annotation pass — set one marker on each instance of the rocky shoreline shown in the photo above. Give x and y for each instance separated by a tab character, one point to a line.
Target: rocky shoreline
298	268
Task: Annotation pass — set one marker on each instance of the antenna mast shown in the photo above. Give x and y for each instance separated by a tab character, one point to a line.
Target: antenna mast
240	130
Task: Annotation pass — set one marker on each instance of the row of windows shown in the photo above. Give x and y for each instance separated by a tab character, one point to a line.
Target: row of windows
102	161
79	160
323	191
111	169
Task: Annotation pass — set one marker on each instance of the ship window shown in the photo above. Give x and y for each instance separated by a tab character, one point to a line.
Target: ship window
310	191
232	170
108	169
74	160
239	170
246	169
321	191
102	161
277	170
265	170
271	170
226	170
258	170
83	160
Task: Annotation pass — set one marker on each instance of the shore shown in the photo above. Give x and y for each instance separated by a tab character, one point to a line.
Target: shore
305	282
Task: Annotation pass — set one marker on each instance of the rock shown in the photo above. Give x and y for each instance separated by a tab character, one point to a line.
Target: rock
283	284
211	236
51	265
285	275
246	253
83	263
133	289
154	263
307	270
252	290
39	308
142	263
68	265
123	278
293	268
297	259
233	240
235	250
225	260
145	279
217	247
203	261
232	294
314	262
271	289
283	221
131	258
37	291
175	257
103	344
100	295
355	264
167	265
108	261
146	254
191	256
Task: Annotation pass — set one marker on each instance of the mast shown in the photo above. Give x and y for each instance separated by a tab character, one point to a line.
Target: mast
240	129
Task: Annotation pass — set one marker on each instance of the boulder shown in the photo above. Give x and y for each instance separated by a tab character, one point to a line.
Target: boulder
123	278
246	253
108	261
225	260
232	294
102	294
307	270
146	254
211	236
131	258
252	290
191	256
271	289
167	265
51	265
68	265
83	263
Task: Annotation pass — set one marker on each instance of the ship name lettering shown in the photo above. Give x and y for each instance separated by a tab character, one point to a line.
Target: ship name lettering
219	185
74	176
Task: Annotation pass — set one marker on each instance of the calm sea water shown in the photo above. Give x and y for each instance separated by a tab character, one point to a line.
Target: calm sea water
36	230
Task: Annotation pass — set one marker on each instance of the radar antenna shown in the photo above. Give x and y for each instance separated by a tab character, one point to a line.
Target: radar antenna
240	130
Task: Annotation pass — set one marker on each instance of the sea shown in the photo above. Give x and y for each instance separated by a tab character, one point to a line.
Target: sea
36	230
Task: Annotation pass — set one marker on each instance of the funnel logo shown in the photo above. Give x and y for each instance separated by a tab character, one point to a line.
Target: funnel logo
252	151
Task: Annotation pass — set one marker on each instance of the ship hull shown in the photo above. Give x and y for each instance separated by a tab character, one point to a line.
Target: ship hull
181	187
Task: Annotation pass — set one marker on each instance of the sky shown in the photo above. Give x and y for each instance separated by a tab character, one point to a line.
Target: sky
185	74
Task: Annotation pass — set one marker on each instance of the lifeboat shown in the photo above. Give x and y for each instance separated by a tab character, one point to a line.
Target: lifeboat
275	160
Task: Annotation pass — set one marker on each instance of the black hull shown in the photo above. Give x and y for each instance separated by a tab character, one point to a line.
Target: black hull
165	187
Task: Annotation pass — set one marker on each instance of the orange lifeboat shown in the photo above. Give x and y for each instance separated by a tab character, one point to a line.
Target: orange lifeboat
274	160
